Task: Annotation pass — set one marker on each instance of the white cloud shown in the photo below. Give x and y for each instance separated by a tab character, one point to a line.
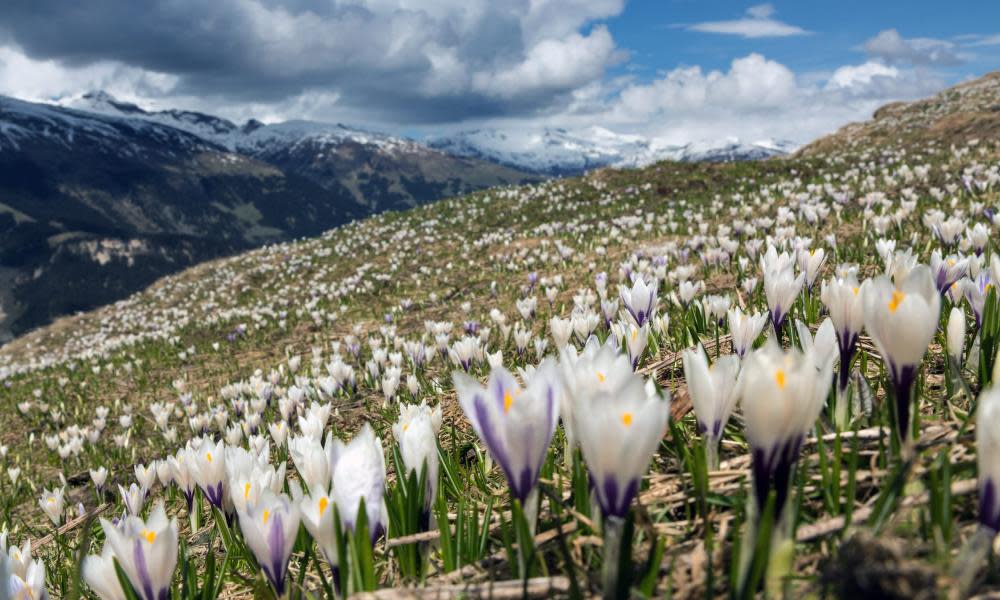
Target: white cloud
756	24
33	79
756	98
890	46
752	83
852	76
398	61
988	40
552	65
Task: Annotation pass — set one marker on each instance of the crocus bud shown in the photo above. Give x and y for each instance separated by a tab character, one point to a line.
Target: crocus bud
416	433
956	334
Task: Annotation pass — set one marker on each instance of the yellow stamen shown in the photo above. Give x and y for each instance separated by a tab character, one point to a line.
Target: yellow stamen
507	402
779	377
246	491
856	290
897	299
601	377
208	456
266	516
627	419
149	535
323	503
406	426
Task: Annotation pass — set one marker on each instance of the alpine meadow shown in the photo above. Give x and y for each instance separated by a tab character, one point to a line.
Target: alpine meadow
310	362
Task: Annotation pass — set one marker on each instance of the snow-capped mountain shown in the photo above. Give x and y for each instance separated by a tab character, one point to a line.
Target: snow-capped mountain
560	152
250	138
549	151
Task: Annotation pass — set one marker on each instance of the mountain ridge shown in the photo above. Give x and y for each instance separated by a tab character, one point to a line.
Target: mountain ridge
558	151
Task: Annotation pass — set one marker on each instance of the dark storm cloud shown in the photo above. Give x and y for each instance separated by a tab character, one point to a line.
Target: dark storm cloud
442	60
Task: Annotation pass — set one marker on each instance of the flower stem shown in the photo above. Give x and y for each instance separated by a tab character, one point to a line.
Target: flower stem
613	527
711	453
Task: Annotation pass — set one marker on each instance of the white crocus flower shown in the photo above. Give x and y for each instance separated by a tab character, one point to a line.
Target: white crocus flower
99	573
134	497
781	286
311	462
416	432
639	300
947	270
561	330
745	329
269	527
956	334
824	343
207	465
515	424
845	303
988	457
99	477
781	395
181	474
712	390
146	476
146	551
317	516
902	321
810	263
359	473
26	579
52	503
618	428
636	339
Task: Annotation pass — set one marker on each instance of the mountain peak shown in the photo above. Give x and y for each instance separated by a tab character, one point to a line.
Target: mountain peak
102	102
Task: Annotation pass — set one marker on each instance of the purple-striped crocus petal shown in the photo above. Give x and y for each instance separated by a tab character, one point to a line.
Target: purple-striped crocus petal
848	343
615	502
214	494
761	476
142	569
989	512
490	436
276	542
378	530
902	382
609	492
649	306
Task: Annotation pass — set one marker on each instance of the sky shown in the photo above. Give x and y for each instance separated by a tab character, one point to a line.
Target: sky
675	70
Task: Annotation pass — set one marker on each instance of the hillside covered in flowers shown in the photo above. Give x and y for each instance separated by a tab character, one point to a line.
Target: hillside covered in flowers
688	380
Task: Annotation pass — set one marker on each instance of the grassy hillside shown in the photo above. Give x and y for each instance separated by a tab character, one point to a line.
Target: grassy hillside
346	319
